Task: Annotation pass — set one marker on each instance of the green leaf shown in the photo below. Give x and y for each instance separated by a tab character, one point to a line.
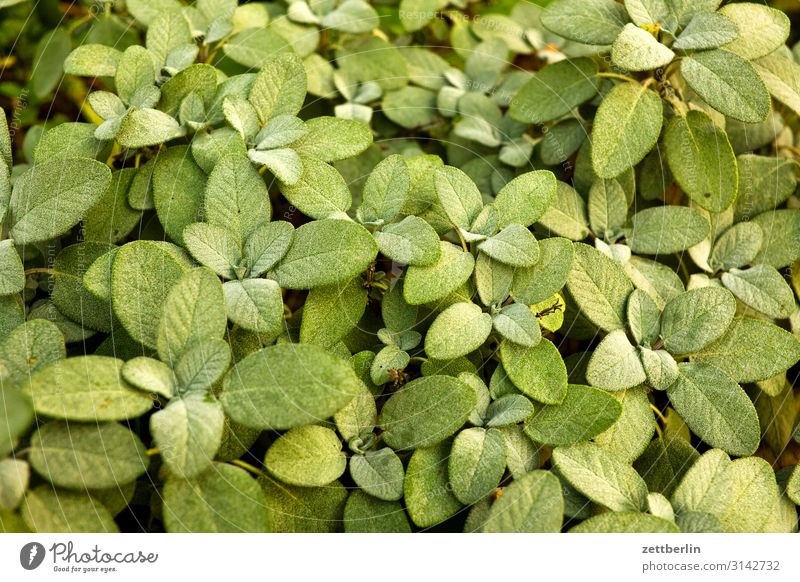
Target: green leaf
255	305
492	280
192	313
78	456
330	139
331	312
631	433
351	16
202	365
325	252
590	22
737	247
16	418
707	30
531	504
86	388
30	346
626	522
548	275
52	197
601	476
635	49
366	514
426	284
567	215
241	116
267	245
12	273
150	375
428	496
14	478
188	433
615	363
287	385
52	50
643	318
715	408
166	31
696	318
458	195
608	208
781	230
412	241
585	413
664	463
762	288
555	91
518	324
279	87
178	186
539	372
626	127
303	509
214	247
762	30
135	70
320	192
222	499
236	198
388	359
46	510
477	462
415	14
379	473
457	331
426	411
142	275
660	368
385	191
515	246
702	160
309	456
600	288
662	230
147	127
89	60
752	350
508	410
728	83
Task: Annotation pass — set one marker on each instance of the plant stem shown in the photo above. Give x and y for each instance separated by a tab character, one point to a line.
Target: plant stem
248	467
40	271
153	452
616	76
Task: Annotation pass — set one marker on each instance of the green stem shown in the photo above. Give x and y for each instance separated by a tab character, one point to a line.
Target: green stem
248	467
40	271
616	76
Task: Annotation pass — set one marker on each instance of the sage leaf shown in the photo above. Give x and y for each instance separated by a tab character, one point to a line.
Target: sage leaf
538	372
696	318
287	385
715	408
457	331
309	456
86	388
626	128
477	462
728	83
601	476
426	411
379	473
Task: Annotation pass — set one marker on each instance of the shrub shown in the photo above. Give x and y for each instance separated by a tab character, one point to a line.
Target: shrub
335	266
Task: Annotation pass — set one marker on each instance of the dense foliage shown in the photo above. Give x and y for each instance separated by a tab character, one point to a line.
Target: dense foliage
332	265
